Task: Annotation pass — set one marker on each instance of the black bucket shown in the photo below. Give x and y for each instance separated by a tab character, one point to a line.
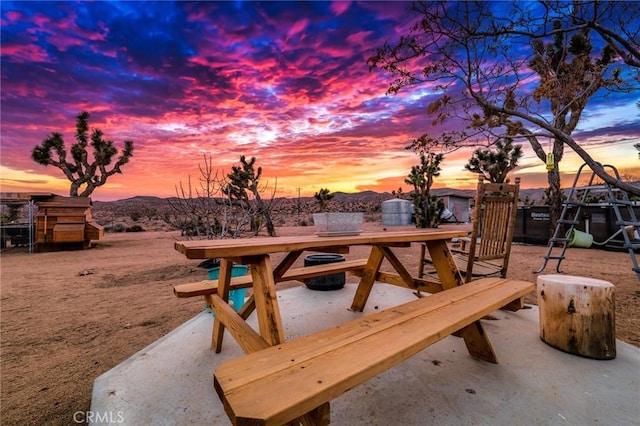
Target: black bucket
325	282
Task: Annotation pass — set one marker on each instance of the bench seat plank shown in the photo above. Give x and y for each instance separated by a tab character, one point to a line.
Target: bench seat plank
202	288
282	383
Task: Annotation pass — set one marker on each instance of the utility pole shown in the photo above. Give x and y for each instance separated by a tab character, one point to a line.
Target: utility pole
298	222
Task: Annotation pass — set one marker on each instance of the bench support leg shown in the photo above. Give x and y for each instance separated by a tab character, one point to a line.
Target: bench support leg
285	264
475	339
478	343
398	266
321	416
224	280
514	306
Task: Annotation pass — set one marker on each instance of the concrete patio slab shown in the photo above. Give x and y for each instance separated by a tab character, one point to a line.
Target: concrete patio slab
171	381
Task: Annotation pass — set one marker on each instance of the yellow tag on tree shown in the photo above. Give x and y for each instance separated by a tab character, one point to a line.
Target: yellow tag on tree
550	165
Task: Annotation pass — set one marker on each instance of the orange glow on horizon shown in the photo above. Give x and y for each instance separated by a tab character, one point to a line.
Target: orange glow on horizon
144	176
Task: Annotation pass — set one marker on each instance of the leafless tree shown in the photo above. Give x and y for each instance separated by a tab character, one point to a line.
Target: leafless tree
209	209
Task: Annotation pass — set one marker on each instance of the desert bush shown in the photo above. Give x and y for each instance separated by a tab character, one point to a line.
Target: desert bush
135	215
118	227
10	213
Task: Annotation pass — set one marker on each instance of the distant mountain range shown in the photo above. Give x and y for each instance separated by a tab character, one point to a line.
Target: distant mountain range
368	197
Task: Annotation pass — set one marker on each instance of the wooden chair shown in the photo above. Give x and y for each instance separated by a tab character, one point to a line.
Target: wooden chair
493	221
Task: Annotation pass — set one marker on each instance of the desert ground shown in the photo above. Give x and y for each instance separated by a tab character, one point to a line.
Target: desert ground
67	317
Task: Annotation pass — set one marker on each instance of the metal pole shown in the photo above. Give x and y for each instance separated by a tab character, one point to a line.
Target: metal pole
298	223
31	230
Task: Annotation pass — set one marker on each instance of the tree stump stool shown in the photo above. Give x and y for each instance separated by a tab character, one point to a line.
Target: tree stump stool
577	315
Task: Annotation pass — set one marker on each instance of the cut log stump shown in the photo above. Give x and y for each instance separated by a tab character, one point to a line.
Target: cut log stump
577	315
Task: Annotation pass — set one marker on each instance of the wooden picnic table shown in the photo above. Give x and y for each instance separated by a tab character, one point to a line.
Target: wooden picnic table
279	382
257	252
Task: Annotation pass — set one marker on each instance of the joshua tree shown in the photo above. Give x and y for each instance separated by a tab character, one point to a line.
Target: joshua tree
427	208
398	193
323	196
244	182
85	172
495	164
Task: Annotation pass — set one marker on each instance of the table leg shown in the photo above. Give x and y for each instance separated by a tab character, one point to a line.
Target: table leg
224	280
368	278
264	292
423	248
444	264
475	338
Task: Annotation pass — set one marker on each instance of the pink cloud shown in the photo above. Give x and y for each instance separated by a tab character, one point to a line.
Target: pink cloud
25	53
339	7
297	28
359	38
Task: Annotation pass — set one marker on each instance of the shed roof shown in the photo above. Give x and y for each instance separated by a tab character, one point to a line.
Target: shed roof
24	197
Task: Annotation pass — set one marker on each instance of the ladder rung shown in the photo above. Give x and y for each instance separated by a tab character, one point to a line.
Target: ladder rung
628	223
632	245
568	222
575	203
560	240
599	186
554	257
621	202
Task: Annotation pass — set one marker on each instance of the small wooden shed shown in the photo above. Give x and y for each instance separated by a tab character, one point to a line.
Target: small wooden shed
65	223
457	202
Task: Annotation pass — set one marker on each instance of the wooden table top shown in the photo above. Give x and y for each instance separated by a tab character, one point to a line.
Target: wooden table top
209	249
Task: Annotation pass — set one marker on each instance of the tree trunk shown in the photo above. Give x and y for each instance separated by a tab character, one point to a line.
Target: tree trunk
577	315
555	198
271	230
265	212
424	207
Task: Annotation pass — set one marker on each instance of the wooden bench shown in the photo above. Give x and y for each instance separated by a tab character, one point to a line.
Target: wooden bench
203	288
297	379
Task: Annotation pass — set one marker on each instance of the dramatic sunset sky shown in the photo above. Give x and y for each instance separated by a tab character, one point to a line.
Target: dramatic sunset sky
286	82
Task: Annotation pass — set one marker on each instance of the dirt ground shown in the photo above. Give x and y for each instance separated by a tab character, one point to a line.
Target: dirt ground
67	317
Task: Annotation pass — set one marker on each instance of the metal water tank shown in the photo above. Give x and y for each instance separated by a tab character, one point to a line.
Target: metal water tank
396	212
